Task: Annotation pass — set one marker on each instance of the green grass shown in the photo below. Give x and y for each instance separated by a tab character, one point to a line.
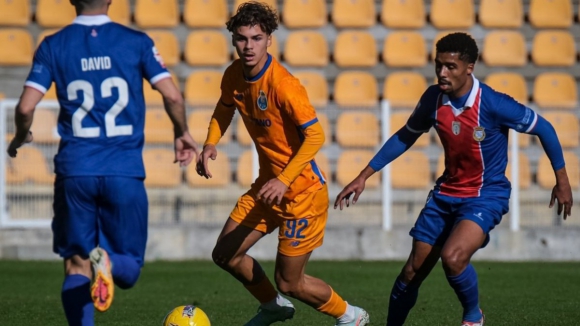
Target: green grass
511	294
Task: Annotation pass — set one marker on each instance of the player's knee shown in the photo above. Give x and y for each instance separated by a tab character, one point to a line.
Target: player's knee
454	261
291	289
78	265
408	273
223	260
128	281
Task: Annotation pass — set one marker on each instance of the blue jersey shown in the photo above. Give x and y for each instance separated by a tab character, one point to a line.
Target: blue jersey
474	138
98	68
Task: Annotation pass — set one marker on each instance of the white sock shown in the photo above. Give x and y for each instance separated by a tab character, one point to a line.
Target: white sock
348	316
277	302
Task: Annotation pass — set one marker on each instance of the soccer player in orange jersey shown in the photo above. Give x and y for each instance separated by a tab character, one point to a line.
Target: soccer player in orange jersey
290	192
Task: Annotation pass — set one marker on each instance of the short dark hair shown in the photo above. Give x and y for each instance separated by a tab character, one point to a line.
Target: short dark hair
254	13
461	43
87	4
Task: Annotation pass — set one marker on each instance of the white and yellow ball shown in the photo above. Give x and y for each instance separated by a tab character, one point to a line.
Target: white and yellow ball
186	316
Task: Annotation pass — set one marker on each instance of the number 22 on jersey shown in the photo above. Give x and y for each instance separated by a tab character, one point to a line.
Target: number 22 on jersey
111	128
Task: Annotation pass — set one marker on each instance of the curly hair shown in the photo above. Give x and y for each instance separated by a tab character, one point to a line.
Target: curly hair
461	43
254	13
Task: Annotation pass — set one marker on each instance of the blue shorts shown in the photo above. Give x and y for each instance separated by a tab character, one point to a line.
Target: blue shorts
441	213
110	212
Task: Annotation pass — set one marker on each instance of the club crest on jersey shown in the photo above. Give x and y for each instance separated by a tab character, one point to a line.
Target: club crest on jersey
479	133
456	127
262	101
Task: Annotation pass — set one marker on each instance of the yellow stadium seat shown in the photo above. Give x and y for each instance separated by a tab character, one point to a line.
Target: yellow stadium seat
237	3
160	170
206	48
399	120
244	169
505	48
304	13
551	13
2	96
555	90
44	126
202	88
356	89
205	13
448	14
403	14
220	171
405	49
198	123
524	170
273	49
45	32
156	13
501	13
554	48
510	83
152	96
357	129
316	87
353	13
120	12
547	179
306	48
16	47
411	171
54	13
323	120
29	165
355	49
167	44
404	89
14	13
50	93
566	125
242	135
524	140
324	166
158	127
349	165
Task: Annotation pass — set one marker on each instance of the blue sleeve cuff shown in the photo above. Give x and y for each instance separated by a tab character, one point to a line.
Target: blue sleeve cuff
309	123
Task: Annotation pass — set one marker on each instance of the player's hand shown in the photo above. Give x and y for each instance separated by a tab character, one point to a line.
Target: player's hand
272	191
563	194
16	143
209	152
186	149
356	187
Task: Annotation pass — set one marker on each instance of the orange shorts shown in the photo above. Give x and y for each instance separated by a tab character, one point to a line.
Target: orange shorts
301	221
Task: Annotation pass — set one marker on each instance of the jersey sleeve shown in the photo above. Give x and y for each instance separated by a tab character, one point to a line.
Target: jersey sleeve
41	74
152	64
514	115
420	120
293	100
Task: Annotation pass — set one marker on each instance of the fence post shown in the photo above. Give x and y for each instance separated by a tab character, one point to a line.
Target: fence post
386	172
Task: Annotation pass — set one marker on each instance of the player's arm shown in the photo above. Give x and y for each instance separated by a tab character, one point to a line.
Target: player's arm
37	83
218	125
394	147
524	120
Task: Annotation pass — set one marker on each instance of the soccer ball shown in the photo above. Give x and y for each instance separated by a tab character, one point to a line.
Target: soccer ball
186	316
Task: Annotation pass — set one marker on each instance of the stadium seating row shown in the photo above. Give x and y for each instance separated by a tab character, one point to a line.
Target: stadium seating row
550	48
30	166
358	89
443	14
352	129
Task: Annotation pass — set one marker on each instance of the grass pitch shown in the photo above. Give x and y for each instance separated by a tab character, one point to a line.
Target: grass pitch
542	294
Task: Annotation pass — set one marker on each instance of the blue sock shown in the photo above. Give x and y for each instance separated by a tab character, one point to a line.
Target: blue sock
403	298
77	301
465	286
125	271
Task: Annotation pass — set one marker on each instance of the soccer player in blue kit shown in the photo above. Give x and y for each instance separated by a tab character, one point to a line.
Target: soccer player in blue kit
100	203
470	198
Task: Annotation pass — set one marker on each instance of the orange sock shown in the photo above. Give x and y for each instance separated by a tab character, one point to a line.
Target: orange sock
264	291
335	307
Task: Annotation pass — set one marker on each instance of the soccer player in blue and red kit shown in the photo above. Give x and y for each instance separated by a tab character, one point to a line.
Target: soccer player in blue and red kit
100	203
470	198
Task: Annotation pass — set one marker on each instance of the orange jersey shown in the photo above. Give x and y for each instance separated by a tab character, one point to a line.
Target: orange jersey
281	121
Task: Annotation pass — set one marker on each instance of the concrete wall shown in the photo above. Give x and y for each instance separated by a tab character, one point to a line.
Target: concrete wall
366	243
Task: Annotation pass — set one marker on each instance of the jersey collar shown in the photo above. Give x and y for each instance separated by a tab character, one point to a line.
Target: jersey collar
92	20
470	100
262	71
